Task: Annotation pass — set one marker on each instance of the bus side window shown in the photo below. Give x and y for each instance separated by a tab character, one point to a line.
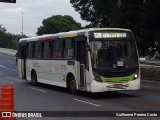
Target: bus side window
57	49
36	50
30	50
53	49
33	49
40	49
69	48
46	50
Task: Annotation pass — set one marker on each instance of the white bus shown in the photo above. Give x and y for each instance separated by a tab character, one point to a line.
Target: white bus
93	60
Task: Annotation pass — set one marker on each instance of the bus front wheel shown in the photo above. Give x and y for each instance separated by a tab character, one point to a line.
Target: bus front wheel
34	78
72	86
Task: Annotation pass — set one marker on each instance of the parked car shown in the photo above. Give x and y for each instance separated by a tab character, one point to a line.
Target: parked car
142	59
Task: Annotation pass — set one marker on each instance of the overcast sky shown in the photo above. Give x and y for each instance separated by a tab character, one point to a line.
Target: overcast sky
34	13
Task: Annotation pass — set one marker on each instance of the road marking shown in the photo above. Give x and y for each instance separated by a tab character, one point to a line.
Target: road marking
10	61
150	81
87	102
7	68
9	81
37	89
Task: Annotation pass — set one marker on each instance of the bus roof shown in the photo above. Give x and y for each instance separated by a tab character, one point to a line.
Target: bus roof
68	34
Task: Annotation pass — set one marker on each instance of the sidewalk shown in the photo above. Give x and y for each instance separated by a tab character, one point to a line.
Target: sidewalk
8	51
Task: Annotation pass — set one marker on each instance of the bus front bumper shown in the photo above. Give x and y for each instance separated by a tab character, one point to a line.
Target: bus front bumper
104	87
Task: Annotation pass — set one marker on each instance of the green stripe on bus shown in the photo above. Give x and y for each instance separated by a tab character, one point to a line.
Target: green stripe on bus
112	29
117	79
68	35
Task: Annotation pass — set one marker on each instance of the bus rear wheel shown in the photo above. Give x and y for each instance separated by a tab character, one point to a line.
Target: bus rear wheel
72	86
34	78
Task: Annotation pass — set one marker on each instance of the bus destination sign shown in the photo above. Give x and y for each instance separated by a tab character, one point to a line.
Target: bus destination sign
109	35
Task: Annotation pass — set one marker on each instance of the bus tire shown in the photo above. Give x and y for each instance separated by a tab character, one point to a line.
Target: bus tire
73	86
34	78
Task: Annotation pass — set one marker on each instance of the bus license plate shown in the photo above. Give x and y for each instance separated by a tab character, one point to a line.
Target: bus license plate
117	85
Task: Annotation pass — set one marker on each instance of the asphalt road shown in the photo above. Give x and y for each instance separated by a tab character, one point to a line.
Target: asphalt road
50	98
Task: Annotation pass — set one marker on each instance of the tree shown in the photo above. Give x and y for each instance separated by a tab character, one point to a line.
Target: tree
8	40
98	12
58	23
141	16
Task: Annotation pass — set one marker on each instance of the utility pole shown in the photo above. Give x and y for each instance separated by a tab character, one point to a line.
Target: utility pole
17	37
22	23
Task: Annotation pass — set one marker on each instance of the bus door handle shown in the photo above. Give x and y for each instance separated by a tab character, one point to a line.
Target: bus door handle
70	63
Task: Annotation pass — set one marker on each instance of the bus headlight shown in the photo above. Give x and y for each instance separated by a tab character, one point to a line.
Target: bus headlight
97	77
136	75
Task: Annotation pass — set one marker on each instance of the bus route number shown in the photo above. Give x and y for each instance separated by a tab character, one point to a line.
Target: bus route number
97	35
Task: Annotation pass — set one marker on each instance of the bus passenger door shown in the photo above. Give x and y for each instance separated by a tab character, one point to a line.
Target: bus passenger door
22	56
81	57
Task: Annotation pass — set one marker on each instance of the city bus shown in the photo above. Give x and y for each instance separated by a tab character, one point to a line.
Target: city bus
93	60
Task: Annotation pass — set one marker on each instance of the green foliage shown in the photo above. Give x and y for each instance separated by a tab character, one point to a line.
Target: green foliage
57	24
8	40
141	16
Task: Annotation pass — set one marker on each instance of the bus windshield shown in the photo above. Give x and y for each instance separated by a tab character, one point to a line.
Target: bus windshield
113	55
